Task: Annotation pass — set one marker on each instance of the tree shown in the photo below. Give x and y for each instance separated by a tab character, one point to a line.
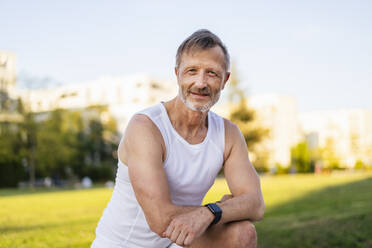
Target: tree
56	145
72	144
245	118
28	130
329	156
300	158
11	166
97	143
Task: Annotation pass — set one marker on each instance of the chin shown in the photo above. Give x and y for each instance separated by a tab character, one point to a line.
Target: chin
199	108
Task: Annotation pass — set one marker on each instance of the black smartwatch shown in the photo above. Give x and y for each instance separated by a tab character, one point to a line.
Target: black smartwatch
216	211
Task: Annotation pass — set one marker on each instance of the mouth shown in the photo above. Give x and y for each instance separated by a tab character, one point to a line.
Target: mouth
199	94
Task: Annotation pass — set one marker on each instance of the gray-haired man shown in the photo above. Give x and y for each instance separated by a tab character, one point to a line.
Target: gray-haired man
169	157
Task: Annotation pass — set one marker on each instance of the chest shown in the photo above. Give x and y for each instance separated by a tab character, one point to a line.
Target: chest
193	139
191	172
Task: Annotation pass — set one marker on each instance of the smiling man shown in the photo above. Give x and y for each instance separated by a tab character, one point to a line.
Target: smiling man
170	156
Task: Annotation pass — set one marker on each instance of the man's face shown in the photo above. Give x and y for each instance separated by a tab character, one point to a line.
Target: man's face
201	76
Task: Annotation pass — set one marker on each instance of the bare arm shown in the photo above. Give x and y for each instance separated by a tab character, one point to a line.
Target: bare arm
143	150
247	201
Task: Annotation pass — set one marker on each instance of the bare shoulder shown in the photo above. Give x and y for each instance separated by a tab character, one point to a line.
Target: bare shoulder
141	134
233	137
231	129
139	122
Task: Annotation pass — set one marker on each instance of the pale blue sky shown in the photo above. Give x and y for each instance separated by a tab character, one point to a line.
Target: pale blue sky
318	51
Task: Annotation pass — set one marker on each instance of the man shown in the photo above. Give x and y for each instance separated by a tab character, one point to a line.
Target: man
169	157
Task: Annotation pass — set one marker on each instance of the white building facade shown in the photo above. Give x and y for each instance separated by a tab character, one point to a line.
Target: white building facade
349	132
277	113
8	72
122	95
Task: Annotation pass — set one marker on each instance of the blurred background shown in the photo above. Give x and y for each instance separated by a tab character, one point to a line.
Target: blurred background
72	73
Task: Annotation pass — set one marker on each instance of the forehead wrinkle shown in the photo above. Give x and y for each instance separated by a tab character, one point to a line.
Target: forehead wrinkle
193	62
191	51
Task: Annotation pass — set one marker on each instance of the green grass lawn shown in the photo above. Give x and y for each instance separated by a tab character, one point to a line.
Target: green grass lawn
301	211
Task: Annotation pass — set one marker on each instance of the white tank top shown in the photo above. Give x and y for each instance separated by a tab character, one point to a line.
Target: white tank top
190	169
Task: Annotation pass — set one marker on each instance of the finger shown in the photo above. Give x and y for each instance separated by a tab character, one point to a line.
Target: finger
176	232
169	230
181	238
188	240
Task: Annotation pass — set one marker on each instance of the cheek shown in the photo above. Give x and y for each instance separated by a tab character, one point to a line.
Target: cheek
185	82
216	85
215	92
183	86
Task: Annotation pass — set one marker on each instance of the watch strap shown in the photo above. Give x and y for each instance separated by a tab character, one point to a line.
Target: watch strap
216	211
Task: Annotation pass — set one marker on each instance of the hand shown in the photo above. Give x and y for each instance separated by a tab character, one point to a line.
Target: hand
185	228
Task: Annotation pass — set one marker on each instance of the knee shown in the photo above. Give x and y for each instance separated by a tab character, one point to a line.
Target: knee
244	235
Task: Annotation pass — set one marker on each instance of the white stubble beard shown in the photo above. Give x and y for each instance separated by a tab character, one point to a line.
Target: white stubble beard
203	108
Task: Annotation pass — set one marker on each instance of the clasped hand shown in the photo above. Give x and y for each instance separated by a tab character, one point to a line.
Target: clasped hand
185	228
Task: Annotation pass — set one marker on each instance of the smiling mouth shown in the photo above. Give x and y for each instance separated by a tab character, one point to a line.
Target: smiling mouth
198	94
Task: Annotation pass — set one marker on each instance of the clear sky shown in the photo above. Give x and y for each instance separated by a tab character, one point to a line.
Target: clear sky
319	51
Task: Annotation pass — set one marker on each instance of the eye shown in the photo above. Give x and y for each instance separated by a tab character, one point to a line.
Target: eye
212	73
191	71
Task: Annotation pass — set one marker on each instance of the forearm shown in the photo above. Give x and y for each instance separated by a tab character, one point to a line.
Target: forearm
177	210
159	223
243	207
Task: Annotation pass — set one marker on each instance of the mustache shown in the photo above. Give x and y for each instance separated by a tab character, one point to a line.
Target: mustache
203	91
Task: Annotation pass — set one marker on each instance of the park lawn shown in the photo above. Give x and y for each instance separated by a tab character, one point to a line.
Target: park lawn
301	211
313	211
51	219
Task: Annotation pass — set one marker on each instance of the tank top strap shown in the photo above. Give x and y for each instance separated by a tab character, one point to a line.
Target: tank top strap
156	115
159	117
217	131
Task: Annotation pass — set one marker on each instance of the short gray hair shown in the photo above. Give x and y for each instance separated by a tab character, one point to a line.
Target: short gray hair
202	39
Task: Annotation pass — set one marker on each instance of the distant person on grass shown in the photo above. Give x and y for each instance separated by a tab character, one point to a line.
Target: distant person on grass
169	157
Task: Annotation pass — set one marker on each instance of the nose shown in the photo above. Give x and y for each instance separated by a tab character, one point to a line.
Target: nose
201	80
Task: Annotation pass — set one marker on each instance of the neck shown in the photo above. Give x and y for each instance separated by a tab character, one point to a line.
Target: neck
185	120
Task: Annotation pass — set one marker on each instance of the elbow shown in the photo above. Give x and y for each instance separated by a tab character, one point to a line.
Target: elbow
260	211
158	221
157	227
157	224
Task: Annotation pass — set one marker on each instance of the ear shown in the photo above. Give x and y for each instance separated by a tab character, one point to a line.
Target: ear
227	76
176	71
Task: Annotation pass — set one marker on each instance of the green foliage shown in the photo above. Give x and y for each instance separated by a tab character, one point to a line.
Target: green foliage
329	156
242	113
359	165
11	145
280	169
300	156
11	169
304	158
63	144
56	145
260	162
245	119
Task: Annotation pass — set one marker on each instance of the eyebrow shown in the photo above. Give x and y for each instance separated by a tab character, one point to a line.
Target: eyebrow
191	67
